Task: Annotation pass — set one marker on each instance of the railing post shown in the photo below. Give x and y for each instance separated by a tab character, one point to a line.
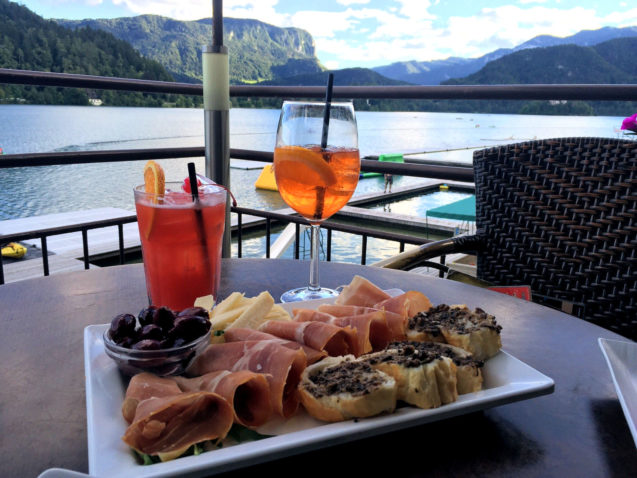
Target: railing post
85	248
45	255
120	234
216	100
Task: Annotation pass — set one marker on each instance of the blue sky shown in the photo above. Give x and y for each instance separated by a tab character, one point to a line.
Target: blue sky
378	32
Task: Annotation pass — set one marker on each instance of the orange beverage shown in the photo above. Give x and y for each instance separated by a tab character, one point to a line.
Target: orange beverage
316	183
181	243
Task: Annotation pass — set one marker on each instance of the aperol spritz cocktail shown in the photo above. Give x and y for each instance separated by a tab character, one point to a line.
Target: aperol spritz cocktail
313	179
316	183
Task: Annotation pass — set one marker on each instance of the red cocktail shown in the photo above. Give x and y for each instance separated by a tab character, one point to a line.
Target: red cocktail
181	243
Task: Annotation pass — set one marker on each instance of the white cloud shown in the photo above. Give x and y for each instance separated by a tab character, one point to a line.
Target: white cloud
351	2
263	10
403	29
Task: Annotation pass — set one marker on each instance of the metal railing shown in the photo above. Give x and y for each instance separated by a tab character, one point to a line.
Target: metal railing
271	218
489	92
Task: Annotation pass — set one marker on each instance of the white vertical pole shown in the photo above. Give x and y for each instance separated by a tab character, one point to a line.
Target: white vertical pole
216	100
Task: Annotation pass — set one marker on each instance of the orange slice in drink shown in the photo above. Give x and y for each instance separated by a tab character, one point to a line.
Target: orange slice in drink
154	183
299	158
154	178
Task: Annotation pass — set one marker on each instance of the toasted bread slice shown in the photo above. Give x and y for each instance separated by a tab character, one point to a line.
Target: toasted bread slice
474	331
425	377
468	370
340	388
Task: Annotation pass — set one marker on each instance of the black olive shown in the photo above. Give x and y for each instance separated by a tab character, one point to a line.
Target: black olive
164	318
127	342
145	315
179	342
122	326
167	343
151	331
189	327
147	344
198	311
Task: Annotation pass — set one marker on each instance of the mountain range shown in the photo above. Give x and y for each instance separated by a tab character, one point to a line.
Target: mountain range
155	47
260	52
437	71
257	51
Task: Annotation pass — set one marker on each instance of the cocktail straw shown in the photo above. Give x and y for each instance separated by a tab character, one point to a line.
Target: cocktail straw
326	113
194	190
192	176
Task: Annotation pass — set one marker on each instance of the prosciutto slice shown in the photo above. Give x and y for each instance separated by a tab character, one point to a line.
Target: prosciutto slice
407	304
395	322
144	386
361	292
247	392
331	338
235	335
371	327
281	365
170	425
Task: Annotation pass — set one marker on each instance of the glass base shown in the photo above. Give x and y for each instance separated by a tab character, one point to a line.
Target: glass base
304	293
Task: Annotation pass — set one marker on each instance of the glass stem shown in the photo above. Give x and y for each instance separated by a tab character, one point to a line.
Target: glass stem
314	257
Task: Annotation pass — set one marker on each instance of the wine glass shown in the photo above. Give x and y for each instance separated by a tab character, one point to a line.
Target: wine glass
316	167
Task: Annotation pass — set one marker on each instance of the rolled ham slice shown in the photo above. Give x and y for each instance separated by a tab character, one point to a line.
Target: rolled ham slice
407	304
144	386
247	392
331	338
235	335
396	322
371	327
361	292
168	426
281	365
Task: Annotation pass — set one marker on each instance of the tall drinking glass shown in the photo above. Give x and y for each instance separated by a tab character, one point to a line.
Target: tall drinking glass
313	180
181	243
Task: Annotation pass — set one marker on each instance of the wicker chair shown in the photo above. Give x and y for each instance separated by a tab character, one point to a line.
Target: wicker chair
559	215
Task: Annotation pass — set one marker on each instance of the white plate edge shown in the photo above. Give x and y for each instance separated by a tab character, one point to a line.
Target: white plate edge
605	345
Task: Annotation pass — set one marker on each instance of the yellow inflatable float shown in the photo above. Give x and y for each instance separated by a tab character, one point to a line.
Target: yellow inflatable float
14	250
266	179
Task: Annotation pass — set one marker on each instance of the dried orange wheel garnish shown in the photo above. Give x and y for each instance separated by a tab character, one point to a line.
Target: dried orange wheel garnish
305	159
154	178
154	183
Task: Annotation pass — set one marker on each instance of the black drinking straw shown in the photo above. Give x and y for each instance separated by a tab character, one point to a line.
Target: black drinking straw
192	176
194	190
320	191
326	113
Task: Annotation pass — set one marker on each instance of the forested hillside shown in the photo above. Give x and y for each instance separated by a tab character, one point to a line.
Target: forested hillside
257	51
611	62
28	42
436	71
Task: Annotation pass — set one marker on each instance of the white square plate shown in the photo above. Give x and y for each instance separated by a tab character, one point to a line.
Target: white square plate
506	380
621	357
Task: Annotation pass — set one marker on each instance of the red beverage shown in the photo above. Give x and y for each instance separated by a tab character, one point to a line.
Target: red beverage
181	243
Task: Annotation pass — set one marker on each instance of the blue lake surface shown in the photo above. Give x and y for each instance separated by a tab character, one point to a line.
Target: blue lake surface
43	190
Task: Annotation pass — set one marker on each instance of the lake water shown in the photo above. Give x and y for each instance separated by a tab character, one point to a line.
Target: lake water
43	190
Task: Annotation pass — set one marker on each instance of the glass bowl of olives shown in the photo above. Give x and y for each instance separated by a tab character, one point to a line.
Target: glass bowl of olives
159	340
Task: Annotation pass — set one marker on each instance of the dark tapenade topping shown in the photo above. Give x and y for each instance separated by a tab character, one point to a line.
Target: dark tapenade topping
407	354
460	320
356	378
459	358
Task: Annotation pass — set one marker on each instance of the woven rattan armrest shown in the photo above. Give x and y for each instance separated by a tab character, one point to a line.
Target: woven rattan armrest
420	256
